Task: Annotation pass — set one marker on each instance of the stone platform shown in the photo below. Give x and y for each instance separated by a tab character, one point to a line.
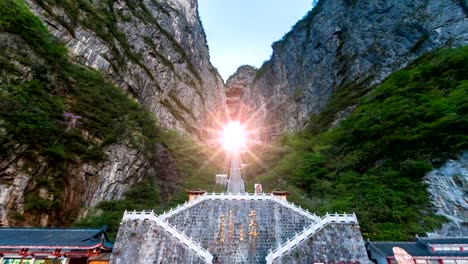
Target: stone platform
275	224
238	228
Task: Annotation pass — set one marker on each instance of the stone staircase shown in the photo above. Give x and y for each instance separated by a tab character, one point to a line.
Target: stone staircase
290	244
239	196
188	242
217	227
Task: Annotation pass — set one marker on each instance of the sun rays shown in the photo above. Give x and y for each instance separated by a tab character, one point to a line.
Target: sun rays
253	130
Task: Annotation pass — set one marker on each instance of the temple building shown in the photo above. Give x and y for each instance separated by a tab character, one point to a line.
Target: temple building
422	251
54	245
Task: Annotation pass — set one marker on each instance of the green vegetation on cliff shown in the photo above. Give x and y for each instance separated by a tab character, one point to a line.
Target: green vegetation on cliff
196	173
374	161
56	115
33	107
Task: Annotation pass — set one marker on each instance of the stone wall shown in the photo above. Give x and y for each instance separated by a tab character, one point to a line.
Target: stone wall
203	223
334	243
145	242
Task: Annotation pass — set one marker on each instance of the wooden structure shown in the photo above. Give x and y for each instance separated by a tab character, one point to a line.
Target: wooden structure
54	245
194	194
281	194
425	250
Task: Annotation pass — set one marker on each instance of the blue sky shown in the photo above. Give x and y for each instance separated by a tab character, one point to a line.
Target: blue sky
242	31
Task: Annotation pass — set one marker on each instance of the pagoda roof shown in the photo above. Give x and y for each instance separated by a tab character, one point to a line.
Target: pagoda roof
279	192
64	238
195	191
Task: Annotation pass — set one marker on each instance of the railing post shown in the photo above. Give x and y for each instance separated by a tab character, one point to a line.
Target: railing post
192	245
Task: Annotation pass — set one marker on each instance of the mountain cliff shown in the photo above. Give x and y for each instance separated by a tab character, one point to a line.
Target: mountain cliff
87	91
374	161
155	50
365	138
348	45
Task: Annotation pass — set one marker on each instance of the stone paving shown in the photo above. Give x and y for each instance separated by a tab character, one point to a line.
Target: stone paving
235	183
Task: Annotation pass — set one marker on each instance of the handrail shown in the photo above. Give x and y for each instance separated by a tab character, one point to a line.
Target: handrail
309	231
296	208
184	239
181	208
317	222
238	196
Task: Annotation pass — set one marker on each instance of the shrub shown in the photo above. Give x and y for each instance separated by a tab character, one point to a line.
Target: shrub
373	162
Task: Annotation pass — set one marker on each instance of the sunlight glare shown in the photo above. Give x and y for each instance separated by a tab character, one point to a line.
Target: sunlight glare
233	138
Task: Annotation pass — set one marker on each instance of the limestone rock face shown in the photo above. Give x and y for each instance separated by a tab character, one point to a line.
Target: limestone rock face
154	49
85	186
344	44
238	93
447	187
240	103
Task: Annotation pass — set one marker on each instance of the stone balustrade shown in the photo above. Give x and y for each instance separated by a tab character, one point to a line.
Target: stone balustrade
239	196
192	245
295	208
200	225
309	231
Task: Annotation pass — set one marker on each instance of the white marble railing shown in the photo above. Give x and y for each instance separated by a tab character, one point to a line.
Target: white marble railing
239	196
296	209
309	231
180	208
318	222
187	241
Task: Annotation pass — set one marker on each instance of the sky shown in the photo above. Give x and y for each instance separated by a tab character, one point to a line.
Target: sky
241	31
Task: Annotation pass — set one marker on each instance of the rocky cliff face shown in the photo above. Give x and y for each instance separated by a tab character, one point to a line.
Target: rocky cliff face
447	188
87	185
156	50
349	45
238	93
240	104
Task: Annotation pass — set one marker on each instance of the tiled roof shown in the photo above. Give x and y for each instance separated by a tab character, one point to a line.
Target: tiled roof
444	241
54	237
103	256
413	248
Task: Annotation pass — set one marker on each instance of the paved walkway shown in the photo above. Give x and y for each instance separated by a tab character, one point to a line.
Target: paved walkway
235	183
